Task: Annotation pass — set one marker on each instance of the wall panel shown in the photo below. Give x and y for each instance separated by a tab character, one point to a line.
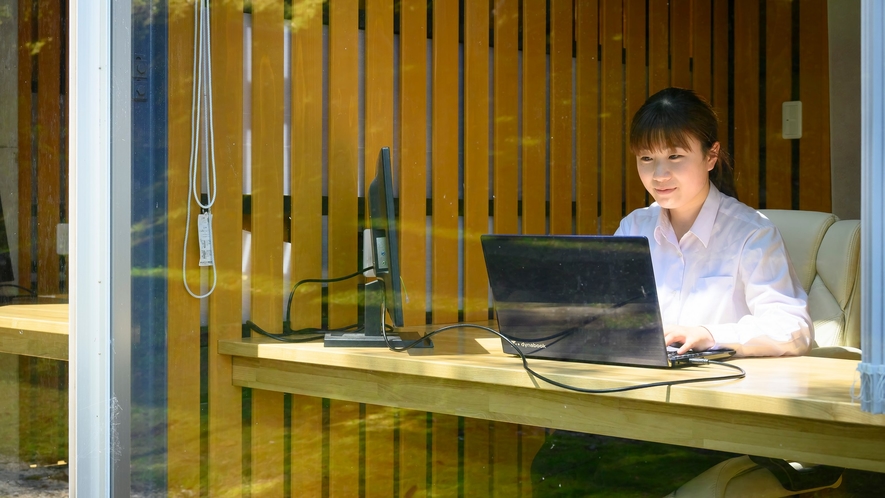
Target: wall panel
183	341
814	91
476	158
746	102
444	123
587	116
413	157
225	304
560	105
267	231
534	117
635	91
505	119
778	88
612	114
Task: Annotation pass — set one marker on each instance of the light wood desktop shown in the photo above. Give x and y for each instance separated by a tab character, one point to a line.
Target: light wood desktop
798	408
39	330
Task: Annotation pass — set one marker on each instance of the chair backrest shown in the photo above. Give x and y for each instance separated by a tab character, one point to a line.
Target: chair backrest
825	252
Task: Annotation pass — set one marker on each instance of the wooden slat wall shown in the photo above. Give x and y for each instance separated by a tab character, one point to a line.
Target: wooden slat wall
635	90
342	141
560	105
612	113
587	116
183	339
778	88
746	102
344	449
379	443
25	126
225	472
814	91
413	156
49	145
476	158
505	100
267	232
534	112
306	228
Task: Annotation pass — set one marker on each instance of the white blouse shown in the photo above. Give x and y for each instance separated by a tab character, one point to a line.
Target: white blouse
731	274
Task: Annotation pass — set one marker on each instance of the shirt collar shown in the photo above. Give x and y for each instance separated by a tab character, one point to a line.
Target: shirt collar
703	224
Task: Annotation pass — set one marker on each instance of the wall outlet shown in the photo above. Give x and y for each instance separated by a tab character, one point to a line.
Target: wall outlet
792	120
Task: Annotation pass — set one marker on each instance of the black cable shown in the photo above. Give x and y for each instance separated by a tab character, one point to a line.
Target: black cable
536	375
287	330
30	291
309	333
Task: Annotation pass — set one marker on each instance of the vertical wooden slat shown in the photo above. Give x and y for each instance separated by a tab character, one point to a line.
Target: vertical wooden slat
307	446
378	133
561	116
343	142
814	92
680	43
267	231
534	116
445	162
476	158
505	445
413	157
344	448
746	101
48	145
444	455
307	158
444	121
343	146
183	320
413	453
307	228
720	68
778	88
658	46
477	466
701	42
531	438
612	114
506	119
25	181
225	304
587	115
634	45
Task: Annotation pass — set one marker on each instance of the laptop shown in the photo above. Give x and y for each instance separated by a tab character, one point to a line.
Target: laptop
580	298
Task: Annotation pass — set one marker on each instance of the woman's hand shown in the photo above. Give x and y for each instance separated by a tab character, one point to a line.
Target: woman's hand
696	338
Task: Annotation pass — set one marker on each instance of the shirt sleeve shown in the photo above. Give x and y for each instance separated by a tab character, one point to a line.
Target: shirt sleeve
778	323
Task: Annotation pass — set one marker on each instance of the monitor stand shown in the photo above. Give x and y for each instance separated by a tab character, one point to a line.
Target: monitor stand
373	322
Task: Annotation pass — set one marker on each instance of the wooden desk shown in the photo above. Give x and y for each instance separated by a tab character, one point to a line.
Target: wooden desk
39	330
34	413
786	407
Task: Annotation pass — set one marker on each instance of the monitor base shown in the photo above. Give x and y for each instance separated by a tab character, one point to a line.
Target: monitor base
361	340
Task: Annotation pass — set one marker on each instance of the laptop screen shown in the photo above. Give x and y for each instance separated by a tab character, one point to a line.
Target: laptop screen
577	298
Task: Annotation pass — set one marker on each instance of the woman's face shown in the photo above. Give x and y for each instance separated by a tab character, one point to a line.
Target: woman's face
678	178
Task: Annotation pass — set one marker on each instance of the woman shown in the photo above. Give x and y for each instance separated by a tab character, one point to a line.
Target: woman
723	280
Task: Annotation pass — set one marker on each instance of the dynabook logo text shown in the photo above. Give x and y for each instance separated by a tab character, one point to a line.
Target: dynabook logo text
535	345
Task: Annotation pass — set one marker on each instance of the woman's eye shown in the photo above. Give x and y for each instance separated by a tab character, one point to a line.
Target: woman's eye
675	156
645	159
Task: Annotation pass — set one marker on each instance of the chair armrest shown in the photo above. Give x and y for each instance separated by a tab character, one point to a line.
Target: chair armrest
841	352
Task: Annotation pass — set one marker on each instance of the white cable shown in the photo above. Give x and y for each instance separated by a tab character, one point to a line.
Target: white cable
201	30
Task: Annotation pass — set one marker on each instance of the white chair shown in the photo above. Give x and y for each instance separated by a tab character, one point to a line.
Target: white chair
825	253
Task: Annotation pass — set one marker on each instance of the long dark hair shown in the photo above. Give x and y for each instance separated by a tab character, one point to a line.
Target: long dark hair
671	118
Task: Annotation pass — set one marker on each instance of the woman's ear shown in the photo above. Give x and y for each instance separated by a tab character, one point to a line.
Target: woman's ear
713	156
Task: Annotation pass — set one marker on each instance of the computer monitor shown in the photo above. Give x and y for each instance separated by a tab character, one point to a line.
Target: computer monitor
385	293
